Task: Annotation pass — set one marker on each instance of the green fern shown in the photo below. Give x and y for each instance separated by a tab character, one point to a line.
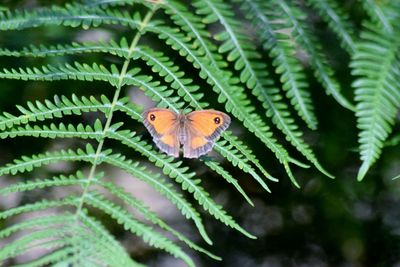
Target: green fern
338	21
282	51
188	67
377	65
243	53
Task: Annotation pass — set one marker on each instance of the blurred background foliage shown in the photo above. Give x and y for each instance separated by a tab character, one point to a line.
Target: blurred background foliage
327	222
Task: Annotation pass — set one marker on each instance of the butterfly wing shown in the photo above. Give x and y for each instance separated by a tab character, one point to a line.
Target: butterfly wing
202	129
163	125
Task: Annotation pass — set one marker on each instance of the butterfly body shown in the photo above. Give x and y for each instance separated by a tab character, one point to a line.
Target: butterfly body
181	127
196	131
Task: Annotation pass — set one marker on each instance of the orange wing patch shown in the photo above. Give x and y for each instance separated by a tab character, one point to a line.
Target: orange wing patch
206	122
203	128
161	119
209	123
163	127
198	130
198	142
168	140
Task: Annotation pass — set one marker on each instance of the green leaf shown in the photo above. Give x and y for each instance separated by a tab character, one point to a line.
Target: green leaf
377	66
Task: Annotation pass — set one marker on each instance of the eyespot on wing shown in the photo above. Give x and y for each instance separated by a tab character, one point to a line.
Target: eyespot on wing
208	122
159	121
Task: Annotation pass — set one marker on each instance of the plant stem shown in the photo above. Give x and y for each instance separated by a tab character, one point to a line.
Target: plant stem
123	72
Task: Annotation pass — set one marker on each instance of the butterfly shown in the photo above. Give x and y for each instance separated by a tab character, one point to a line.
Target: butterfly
196	131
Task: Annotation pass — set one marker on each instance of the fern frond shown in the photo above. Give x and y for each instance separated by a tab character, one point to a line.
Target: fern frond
22	244
188	20
169	168
187	50
318	60
81	131
79	179
282	51
26	164
39	111
167	69
337	20
377	13
62	241
54	257
62	180
243	53
81	72
172	169
214	165
173	77
102	233
247	153
148	235
230	154
105	3
151	216
187	184
61	222
97	248
38	222
151	237
72	15
193	26
58	131
161	186
65	219
233	96
377	65
86	72
37	206
119	49
70	255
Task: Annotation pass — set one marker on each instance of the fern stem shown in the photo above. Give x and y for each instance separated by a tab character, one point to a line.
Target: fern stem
123	72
